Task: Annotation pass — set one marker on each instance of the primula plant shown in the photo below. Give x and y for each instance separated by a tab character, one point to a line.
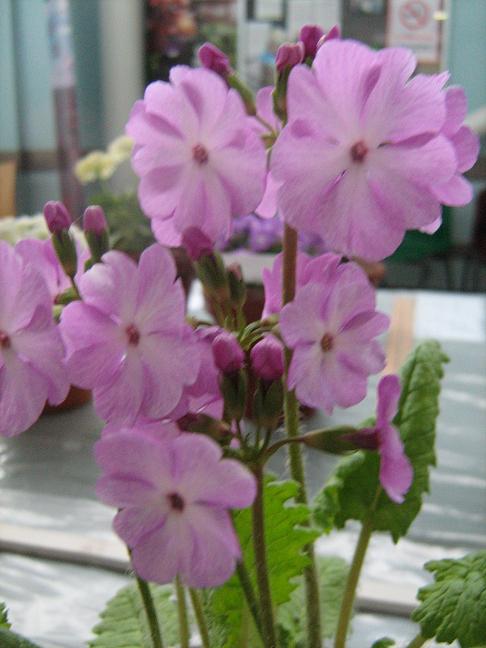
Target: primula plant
348	147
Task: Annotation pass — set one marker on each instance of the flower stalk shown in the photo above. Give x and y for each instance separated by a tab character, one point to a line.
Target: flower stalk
291	407
184	635
261	567
200	618
417	642
250	597
150	612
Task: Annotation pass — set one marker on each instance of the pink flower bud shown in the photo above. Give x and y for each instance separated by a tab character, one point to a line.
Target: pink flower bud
57	216
267	359
94	220
228	355
310	35
196	243
332	34
214	59
289	55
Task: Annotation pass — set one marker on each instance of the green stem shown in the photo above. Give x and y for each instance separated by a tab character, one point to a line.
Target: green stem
148	604
417	642
249	594
314	633
200	618
182	613
354	574
261	567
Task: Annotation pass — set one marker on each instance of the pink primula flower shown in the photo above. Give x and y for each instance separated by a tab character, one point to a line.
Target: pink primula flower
331	326
127	340
198	158
320	269
31	349
43	257
396	473
174	494
367	152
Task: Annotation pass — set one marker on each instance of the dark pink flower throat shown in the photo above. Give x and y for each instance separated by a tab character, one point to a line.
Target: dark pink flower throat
200	154
4	340
359	151
327	342
133	335
176	502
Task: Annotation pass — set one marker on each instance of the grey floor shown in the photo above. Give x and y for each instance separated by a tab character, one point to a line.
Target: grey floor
47	478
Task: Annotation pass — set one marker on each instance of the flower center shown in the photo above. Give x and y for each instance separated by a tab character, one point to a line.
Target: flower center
133	335
4	340
176	502
327	342
200	154
359	151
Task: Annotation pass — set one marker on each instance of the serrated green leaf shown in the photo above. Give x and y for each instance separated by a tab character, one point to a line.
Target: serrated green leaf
350	492
124	624
285	539
386	642
9	639
454	606
3	616
291	616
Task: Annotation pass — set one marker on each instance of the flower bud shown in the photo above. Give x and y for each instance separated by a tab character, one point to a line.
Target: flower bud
310	35
289	55
196	243
267	358
332	34
96	232
212	58
57	217
338	440
228	355
94	220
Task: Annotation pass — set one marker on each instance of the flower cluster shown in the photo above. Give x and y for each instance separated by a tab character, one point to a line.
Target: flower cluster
347	151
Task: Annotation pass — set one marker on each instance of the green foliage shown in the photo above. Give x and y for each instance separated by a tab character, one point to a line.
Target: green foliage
351	490
3	616
454	606
124	624
285	539
386	642
10	639
291	616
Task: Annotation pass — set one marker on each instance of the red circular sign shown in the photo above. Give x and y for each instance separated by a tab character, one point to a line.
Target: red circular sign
414	14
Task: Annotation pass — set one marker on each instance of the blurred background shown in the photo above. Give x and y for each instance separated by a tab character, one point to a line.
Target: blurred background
70	71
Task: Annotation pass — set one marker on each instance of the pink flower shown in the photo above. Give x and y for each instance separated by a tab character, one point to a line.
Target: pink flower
212	58
31	350
57	217
42	256
174	495
94	220
364	156
331	326
267	358
396	473
127	340
310	35
228	355
320	269
289	55
198	157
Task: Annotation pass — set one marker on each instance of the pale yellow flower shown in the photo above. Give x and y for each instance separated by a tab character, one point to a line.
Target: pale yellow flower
120	148
97	165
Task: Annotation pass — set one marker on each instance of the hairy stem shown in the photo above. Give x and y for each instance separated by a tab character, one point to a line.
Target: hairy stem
417	642
200	618
268	625
249	594
152	620
182	613
314	634
354	574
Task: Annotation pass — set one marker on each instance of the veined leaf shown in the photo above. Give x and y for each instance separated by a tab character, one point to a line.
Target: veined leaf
285	540
454	606
124	624
10	639
351	490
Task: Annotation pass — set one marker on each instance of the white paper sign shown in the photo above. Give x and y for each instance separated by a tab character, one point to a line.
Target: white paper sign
413	24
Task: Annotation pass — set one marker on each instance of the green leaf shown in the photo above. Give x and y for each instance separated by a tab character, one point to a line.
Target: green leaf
124	624
291	616
454	606
386	642
351	490
285	539
3	616
10	639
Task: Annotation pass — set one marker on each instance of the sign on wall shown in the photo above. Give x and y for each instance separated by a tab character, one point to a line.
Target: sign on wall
414	24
